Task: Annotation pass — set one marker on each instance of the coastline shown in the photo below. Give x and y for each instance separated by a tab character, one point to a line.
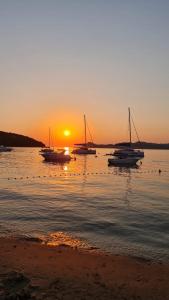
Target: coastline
32	270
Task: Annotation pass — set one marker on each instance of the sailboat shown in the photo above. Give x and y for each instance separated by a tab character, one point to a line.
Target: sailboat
47	149
52	155
129	151
56	156
84	149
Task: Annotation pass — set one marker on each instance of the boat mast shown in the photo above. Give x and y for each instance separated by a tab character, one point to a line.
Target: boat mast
129	125
49	137
85	128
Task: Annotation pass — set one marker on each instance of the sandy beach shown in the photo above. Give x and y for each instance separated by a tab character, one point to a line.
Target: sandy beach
32	270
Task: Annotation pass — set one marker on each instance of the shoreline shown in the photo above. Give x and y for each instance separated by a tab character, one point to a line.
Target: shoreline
37	271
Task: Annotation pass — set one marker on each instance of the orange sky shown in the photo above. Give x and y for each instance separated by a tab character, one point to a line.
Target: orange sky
111	130
61	59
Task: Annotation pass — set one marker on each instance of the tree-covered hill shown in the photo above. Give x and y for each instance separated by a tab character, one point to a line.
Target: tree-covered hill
18	140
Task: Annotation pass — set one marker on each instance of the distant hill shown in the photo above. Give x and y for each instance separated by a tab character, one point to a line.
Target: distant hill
18	140
144	145
137	145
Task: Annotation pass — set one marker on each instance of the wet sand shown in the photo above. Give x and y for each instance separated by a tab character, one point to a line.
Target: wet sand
31	270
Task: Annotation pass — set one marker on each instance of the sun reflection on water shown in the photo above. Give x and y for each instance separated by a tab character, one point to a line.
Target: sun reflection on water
63	239
67	150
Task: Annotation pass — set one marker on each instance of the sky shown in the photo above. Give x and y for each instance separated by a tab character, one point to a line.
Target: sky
60	59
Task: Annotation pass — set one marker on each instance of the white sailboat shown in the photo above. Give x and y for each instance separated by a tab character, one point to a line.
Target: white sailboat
129	151
84	149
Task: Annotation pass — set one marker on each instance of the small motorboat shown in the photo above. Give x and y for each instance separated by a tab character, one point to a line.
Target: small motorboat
5	149
56	156
123	161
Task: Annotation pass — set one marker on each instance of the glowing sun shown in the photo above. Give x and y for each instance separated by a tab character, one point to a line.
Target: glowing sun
66	132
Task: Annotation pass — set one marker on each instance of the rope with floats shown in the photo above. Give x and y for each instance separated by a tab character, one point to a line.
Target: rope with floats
64	175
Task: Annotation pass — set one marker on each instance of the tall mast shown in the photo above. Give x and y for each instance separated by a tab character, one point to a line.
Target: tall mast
85	128
129	125
49	137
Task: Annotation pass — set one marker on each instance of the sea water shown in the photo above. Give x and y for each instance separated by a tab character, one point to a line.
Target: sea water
119	210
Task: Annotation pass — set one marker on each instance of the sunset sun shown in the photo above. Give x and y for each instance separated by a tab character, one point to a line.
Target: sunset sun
67	132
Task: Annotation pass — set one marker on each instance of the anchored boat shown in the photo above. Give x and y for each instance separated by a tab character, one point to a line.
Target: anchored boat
47	149
51	155
123	161
129	151
5	149
56	156
84	149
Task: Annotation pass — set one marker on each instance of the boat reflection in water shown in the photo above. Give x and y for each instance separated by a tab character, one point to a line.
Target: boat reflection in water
125	170
128	174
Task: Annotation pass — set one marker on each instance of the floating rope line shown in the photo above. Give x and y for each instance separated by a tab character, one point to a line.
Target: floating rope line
115	172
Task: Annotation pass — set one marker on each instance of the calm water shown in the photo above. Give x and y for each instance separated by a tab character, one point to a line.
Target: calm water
126	211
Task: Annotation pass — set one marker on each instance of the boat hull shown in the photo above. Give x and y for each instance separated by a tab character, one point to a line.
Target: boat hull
84	151
5	149
56	157
125	162
46	150
128	153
